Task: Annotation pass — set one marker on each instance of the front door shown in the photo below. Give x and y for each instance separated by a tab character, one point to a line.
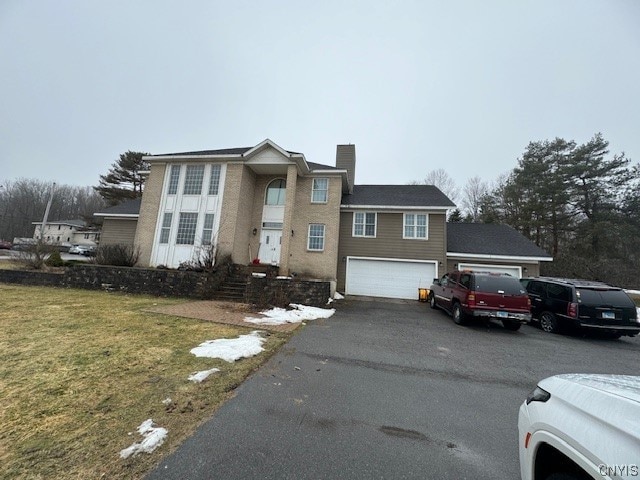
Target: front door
270	241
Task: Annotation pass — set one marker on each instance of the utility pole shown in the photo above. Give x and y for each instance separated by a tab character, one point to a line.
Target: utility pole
46	213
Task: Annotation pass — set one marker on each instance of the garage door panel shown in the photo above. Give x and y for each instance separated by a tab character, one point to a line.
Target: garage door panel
388	278
513	270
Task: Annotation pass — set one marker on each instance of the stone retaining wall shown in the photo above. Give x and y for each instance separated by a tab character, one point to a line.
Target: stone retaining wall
175	283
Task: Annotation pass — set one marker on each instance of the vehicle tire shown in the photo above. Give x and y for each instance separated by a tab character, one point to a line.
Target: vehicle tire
432	301
511	325
458	315
548	322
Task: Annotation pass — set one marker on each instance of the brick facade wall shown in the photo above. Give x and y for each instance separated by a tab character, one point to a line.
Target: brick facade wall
146	229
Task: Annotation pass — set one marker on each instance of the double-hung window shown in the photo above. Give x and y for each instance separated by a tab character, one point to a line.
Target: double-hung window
187	228
174	178
316	237
416	225
320	190
166	227
207	229
364	224
214	180
193	180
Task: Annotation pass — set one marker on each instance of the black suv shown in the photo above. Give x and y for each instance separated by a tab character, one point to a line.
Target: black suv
561	302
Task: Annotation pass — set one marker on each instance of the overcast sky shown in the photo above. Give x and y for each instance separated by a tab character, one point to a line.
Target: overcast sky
415	85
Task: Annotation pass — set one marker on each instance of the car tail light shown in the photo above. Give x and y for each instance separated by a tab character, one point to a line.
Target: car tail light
572	310
471	299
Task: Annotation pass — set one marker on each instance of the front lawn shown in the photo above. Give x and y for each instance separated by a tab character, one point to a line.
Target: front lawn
80	371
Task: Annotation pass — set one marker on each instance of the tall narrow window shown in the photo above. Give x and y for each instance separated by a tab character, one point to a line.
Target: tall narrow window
214	180
276	192
316	237
193	180
319	191
415	226
174	178
166	227
364	224
207	229
187	228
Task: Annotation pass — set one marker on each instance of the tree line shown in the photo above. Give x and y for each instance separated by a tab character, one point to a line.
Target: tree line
576	201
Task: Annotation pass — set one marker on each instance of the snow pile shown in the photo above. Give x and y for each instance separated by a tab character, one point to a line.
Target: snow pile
202	376
231	349
300	313
337	296
153	438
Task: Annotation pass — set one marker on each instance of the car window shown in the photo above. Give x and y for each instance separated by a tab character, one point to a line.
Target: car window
559	292
536	288
465	280
615	298
444	280
495	283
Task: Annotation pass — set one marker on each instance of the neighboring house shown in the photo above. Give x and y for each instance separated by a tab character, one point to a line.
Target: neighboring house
498	248
269	205
119	223
67	232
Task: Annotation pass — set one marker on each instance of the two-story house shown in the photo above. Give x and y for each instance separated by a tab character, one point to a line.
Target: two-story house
269	205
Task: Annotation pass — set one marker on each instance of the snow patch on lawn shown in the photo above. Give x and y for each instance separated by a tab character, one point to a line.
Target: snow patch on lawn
153	438
199	377
231	349
300	313
337	296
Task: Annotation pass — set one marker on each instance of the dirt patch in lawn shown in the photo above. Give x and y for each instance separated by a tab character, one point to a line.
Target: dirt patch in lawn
221	312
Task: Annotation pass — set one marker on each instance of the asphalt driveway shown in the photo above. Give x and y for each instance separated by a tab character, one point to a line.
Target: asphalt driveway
388	389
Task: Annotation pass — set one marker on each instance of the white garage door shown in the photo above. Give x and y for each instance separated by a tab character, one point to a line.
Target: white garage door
512	270
388	278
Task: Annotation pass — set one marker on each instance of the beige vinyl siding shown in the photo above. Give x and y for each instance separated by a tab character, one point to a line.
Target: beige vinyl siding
389	243
118	231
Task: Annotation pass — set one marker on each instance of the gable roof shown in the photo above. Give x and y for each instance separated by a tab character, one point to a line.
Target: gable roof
490	239
128	208
393	196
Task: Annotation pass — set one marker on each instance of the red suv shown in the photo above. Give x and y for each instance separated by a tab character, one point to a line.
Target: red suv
466	294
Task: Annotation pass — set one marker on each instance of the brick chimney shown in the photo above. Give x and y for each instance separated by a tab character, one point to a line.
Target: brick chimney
346	160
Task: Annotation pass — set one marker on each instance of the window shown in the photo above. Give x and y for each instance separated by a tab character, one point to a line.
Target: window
166	227
316	237
276	192
320	190
364	224
207	229
174	178
214	180
187	228
415	225
193	180
465	280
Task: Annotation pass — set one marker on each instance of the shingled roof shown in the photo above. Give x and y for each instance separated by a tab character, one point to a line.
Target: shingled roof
397	196
490	239
126	208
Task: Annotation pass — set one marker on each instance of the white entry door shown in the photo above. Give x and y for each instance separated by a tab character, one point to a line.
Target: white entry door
270	241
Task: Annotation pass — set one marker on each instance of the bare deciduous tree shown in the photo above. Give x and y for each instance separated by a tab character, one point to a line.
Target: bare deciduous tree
473	193
441	179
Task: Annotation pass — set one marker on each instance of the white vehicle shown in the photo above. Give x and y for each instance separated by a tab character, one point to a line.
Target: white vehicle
580	426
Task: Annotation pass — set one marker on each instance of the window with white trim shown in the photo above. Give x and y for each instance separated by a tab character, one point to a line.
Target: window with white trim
207	229
166	227
364	224
214	180
320	190
187	228
193	180
276	192
316	237
416	225
174	178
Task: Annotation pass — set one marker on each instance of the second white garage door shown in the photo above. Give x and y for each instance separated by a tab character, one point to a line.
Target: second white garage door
512	270
388	278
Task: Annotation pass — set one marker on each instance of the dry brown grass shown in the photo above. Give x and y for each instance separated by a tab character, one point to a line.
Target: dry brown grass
80	370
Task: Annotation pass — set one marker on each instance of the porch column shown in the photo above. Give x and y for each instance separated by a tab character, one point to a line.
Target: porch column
292	178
